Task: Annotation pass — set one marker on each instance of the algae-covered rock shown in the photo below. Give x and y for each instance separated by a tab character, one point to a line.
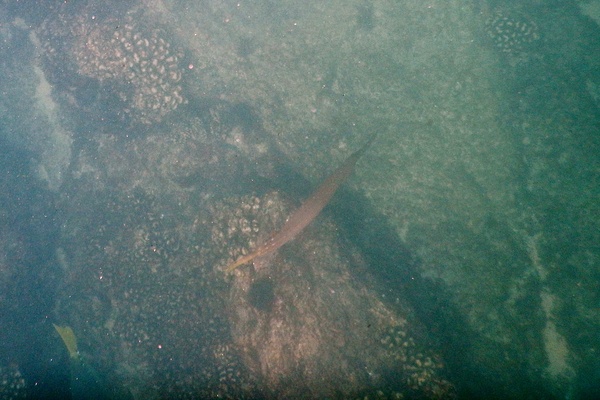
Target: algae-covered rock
305	323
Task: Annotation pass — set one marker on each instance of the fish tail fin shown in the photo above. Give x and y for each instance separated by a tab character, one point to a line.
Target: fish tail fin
69	339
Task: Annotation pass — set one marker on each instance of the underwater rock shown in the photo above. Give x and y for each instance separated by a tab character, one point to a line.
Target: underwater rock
183	160
135	62
148	293
137	293
12	383
33	119
305	324
511	33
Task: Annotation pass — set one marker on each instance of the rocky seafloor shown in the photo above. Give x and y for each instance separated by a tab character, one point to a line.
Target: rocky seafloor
459	260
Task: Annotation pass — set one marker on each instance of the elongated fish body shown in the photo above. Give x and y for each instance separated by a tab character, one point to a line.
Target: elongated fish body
307	211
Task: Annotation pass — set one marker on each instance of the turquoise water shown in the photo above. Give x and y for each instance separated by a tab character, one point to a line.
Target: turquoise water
146	146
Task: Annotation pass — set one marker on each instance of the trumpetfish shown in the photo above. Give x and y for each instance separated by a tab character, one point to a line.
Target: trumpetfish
307	212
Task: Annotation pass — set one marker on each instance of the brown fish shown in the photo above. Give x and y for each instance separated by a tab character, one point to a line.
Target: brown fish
307	211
